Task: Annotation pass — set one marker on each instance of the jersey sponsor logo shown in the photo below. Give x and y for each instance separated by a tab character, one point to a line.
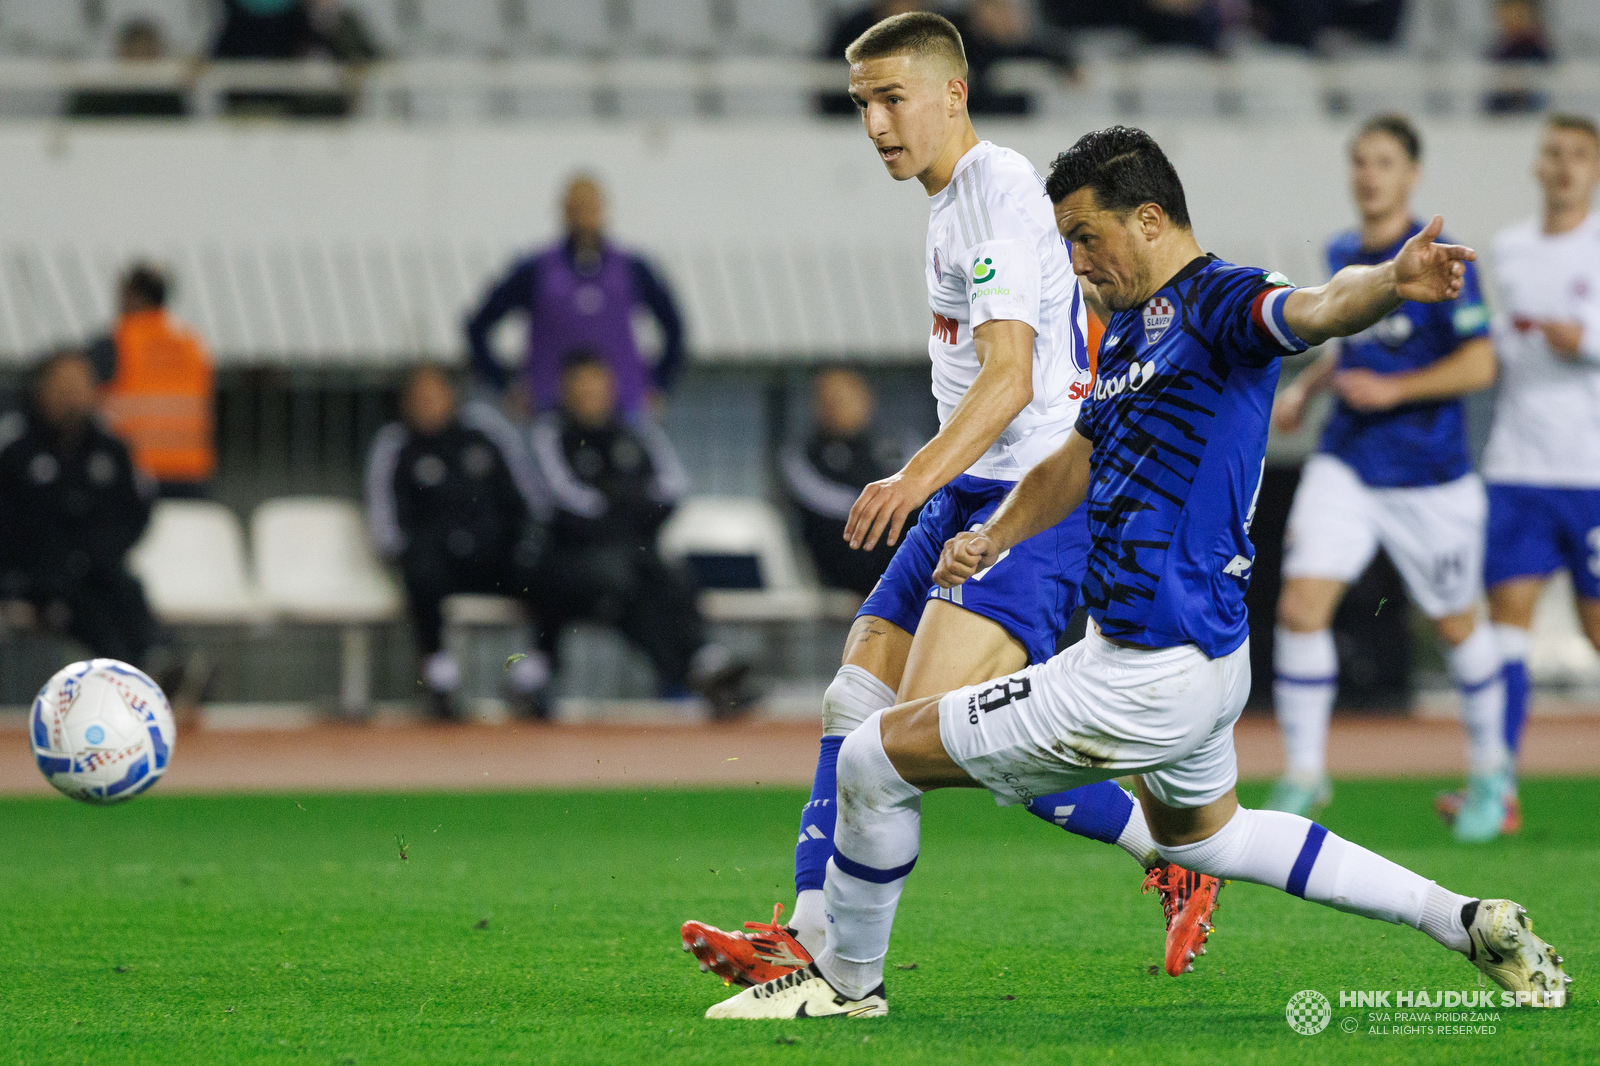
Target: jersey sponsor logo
1238	566
1469	318
1080	390
1131	380
1158	315
1391	331
1003	694
944	328
983	270
938	271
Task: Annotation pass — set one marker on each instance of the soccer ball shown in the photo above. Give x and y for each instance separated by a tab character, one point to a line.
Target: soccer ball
102	731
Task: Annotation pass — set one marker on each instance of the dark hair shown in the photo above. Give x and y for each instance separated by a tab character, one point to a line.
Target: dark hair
146	282
1397	126
1125	168
919	32
1567	121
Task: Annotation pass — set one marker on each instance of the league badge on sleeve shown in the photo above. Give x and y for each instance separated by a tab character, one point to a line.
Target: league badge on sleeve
1158	315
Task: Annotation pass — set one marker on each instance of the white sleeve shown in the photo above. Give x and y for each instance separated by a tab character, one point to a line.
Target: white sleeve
1003	278
1587	308
571	494
382	517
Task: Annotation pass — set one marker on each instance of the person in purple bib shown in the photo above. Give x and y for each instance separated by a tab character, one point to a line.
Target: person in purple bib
579	293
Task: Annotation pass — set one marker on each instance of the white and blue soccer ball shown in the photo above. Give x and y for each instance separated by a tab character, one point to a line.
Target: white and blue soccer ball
102	731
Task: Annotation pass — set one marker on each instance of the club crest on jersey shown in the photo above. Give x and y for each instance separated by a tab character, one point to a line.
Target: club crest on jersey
938	271
1158	315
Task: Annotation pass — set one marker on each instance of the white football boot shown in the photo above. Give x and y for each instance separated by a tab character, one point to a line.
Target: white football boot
1504	947
805	993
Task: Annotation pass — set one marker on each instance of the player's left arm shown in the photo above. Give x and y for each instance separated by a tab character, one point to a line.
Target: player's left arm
1470	368
1003	387
1358	296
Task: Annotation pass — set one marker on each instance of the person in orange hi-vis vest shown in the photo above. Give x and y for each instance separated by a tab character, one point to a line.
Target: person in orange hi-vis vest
161	395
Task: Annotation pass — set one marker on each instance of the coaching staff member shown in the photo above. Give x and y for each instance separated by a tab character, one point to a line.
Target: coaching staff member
454	503
71	505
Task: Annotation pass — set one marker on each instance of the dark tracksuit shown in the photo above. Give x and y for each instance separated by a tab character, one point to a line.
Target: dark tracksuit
70	508
824	476
613	487
458	512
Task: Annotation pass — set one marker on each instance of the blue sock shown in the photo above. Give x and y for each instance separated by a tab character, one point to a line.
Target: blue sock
1099	811
1515	672
815	848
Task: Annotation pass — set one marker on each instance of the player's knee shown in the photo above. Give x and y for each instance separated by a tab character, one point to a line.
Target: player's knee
1456	628
850	699
1591	625
1301	612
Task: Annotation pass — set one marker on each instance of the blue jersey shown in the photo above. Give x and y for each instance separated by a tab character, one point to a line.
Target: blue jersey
1178	417
1418	443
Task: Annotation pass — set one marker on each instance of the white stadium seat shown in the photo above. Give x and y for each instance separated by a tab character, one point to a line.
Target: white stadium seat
730	526
316	564
193	566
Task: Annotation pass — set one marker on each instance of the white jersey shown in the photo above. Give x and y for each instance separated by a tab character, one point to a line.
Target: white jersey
1547	419
994	253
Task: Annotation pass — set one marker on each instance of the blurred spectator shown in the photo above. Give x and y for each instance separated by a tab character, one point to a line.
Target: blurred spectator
138	41
162	393
826	473
338	33
847	26
996	30
1520	41
287	30
453	501
71	505
1193	23
615	479
580	293
1304	23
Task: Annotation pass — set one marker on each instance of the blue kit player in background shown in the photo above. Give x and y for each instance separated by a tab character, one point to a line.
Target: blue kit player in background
1543	458
1168	453
1010	369
1393	469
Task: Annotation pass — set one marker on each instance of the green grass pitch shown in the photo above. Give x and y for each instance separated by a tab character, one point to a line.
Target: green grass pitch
542	928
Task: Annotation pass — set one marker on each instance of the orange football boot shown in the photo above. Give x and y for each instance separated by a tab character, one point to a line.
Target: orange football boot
1187	899
744	959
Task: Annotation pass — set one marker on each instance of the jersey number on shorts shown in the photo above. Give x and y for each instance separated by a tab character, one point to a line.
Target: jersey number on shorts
995	697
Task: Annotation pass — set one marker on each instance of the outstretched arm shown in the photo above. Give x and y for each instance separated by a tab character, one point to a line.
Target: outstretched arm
1045	496
1358	296
1003	387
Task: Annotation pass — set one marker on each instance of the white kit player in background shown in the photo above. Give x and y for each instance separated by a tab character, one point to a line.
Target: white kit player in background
1543	459
1393	469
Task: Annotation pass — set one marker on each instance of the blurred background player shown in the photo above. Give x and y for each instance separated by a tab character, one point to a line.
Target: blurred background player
615	479
1010	368
72	504
826	472
1543	458
161	396
580	293
1392	469
453	501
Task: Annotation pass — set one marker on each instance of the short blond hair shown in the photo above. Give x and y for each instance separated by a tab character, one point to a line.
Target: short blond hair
920	33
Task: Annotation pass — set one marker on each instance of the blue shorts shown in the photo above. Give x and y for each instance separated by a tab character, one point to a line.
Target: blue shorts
1030	592
1534	531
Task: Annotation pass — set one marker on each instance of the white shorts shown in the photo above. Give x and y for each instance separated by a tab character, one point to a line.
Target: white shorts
1434	534
1099	711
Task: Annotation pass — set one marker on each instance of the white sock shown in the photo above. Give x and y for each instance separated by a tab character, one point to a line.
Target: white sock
875	845
442	672
1306	669
1301	857
1475	668
810	920
1136	839
851	697
1511	640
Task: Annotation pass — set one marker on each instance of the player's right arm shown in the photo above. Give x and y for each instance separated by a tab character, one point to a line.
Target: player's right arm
1043	498
1003	387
